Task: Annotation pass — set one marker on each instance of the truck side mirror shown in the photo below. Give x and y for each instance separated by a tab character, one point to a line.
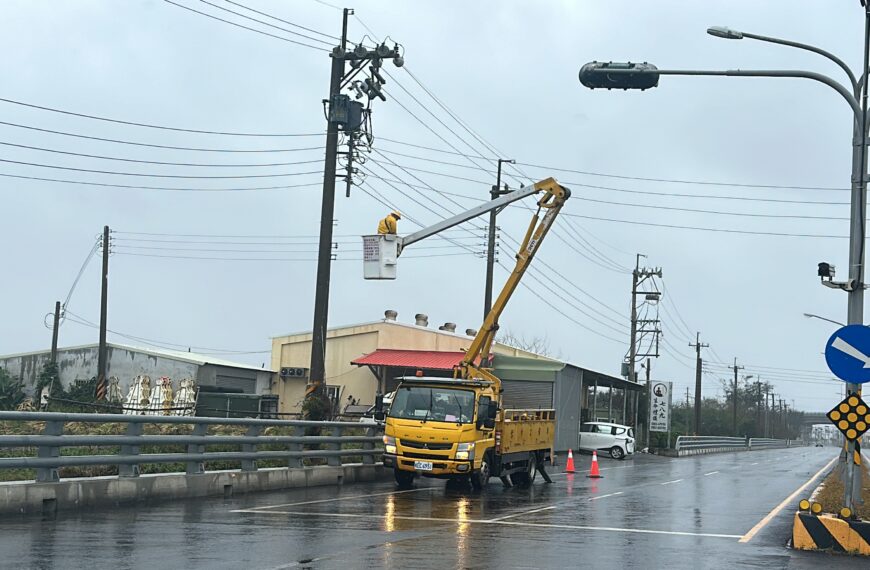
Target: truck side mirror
378	413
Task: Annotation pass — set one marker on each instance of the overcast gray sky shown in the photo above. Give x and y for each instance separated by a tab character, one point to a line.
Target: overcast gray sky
509	71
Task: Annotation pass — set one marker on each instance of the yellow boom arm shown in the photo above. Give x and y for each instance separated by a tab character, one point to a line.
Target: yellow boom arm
551	202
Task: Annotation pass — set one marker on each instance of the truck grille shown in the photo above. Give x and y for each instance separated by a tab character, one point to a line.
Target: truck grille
426	445
425	455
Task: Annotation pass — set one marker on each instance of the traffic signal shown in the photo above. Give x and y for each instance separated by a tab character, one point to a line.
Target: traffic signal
617	75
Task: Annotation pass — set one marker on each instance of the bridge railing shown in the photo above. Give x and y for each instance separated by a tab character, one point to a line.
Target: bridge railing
696	444
767	443
303	443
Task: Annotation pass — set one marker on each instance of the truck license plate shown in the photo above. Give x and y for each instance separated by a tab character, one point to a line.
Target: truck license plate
423	465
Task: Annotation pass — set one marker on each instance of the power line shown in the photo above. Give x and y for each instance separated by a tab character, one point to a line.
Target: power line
168	147
679	181
244	27
295	259
160	188
148	125
266	23
245	176
138	161
336	38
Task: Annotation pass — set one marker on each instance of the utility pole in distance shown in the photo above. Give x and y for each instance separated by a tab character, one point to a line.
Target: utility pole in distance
104	303
54	332
698	346
638	277
734	394
494	193
349	116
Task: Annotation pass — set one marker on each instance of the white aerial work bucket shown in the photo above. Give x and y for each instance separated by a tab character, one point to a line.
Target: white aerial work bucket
380	255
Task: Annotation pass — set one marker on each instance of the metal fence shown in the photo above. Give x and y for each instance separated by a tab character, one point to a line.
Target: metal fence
767	443
695	444
690	444
297	447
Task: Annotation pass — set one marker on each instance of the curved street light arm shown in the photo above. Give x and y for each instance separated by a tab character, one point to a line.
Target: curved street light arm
824	53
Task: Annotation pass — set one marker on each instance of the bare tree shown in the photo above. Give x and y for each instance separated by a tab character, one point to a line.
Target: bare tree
536	344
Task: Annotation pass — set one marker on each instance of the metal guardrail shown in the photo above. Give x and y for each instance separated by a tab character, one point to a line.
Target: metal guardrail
52	440
689	444
708	443
767	443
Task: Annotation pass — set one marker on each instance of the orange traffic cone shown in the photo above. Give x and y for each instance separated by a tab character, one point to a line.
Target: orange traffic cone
569	467
593	473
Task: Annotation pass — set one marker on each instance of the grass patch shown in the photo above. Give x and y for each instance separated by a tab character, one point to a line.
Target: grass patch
832	493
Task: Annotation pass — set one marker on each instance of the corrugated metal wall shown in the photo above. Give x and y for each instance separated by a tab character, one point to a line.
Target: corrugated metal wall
527	394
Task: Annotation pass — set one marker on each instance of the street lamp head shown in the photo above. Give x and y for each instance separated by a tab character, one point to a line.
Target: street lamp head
723	32
619	75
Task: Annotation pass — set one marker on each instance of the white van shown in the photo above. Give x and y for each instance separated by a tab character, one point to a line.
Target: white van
615	439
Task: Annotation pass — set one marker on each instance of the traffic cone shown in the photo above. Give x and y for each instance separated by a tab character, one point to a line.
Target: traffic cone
569	467
593	473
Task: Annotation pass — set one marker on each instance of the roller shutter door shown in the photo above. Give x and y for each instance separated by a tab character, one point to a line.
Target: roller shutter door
246	385
519	394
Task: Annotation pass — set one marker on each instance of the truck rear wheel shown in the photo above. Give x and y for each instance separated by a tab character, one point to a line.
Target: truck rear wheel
480	478
405	479
527	477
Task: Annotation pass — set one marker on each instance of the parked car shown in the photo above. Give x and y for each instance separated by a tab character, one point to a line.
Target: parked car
615	439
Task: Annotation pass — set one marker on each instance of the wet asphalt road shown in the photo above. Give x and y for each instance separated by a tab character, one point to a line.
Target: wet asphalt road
647	512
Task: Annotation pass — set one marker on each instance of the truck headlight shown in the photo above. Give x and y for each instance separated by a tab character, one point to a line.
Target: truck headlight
465	451
389	445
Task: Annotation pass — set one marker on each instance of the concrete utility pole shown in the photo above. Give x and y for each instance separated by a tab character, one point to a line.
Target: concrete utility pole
495	192
698	362
104	304
54	330
688	421
734	394
345	114
638	277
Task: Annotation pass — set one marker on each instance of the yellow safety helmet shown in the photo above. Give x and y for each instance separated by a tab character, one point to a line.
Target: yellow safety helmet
396	214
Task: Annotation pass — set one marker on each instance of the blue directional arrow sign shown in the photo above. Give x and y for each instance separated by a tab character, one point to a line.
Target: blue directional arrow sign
848	354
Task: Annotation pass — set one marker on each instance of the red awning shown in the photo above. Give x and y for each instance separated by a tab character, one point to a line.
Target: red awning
426	359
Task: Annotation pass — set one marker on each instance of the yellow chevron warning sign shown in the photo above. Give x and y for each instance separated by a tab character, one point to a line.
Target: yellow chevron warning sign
851	416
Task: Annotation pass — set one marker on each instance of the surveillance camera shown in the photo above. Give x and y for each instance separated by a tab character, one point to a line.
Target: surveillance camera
826	270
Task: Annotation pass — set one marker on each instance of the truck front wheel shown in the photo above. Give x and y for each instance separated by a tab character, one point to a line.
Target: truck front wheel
480	478
405	479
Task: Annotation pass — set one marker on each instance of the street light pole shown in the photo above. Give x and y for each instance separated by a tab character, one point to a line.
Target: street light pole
644	76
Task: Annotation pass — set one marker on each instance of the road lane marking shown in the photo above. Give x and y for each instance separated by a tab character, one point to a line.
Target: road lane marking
710	473
334	499
497	519
751	464
605	496
763	522
674	481
497	522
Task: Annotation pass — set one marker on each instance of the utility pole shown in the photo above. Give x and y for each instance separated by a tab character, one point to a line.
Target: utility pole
648	410
104	303
639	328
688	421
734	394
348	116
495	192
54	330
698	346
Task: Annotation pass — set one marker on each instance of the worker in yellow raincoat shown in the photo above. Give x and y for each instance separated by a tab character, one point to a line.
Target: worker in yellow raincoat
388	225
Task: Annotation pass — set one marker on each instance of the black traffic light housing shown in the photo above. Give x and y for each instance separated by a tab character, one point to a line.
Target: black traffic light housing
618	75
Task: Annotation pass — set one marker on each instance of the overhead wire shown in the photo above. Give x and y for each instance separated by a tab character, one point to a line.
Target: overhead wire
161	188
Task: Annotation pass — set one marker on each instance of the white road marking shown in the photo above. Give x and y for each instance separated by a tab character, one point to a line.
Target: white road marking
751	464
332	500
763	522
498	522
497	519
674	481
605	496
710	473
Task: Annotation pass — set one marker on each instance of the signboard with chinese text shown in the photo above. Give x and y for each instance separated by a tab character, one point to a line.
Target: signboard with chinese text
660	406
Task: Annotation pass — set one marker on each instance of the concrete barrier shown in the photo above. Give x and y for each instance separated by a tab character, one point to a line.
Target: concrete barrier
28	497
830	533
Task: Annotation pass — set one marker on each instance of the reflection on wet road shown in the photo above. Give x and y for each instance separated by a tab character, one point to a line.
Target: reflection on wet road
647	512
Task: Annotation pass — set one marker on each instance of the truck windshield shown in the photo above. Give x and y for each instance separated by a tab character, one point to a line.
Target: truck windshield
435	404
